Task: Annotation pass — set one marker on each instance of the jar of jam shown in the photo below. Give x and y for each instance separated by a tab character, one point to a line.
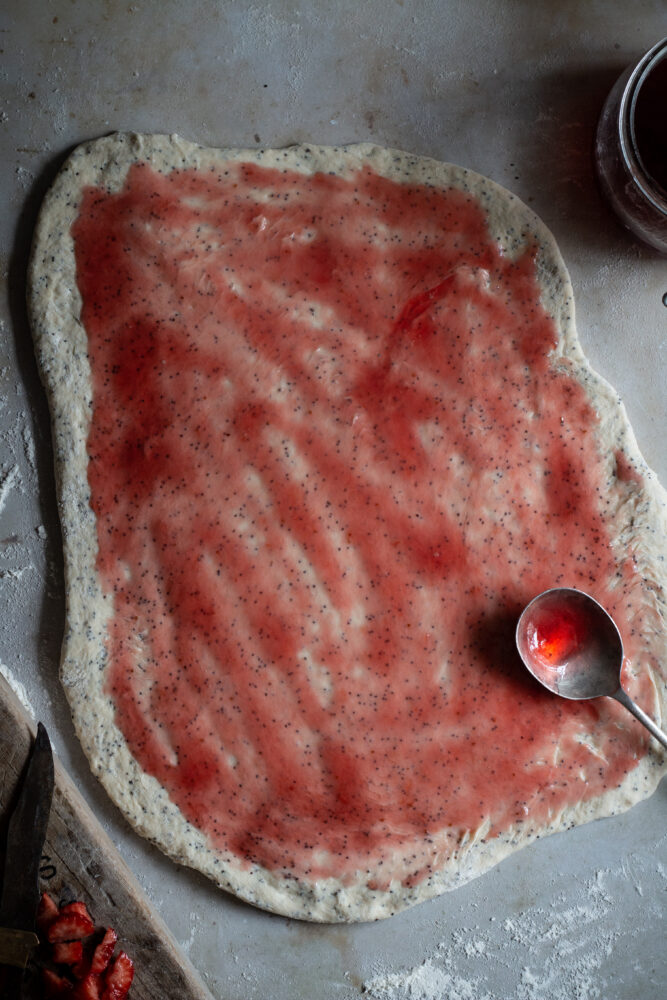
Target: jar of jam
631	148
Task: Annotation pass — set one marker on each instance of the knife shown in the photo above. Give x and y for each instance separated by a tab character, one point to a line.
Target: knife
26	833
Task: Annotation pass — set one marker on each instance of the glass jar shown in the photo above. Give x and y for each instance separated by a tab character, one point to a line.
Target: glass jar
631	148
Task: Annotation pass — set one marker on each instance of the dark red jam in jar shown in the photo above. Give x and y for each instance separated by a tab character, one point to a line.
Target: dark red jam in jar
631	148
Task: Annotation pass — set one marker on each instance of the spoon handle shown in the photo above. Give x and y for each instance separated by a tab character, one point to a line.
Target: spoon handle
627	701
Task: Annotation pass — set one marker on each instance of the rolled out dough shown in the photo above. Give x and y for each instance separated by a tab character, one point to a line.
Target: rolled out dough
409	850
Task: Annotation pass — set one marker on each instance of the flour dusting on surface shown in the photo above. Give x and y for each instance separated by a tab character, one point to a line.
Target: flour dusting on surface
8	479
425	982
18	689
557	952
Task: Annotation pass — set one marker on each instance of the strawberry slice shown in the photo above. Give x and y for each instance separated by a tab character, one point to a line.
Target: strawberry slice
104	951
77	907
81	969
72	923
47	911
88	988
67	952
55	985
119	978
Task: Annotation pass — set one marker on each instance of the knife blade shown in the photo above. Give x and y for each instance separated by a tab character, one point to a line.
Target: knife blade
26	833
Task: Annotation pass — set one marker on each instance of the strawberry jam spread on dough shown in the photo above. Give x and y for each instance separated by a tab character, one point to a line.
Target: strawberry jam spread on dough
331	457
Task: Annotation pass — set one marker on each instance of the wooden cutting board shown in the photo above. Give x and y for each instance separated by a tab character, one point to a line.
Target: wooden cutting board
79	854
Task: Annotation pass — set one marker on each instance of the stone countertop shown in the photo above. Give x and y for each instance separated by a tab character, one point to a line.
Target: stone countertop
512	90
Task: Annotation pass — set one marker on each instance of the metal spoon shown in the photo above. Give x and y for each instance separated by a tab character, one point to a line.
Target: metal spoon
572	647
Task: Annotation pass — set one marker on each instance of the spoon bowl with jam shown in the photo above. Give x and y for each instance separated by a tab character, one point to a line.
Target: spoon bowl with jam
572	646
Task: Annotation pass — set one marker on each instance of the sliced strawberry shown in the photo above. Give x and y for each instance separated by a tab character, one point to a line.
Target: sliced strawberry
46	911
70	924
119	978
88	988
55	985
104	951
67	952
82	968
77	907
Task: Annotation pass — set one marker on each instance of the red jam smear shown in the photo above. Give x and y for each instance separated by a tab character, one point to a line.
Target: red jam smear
331	459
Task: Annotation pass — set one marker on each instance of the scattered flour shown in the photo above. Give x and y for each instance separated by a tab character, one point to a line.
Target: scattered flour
25	177
8	479
426	982
18	689
559	952
29	447
186	944
13	572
